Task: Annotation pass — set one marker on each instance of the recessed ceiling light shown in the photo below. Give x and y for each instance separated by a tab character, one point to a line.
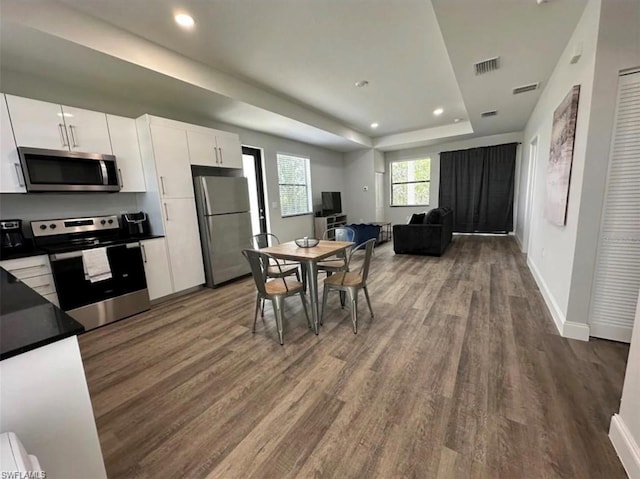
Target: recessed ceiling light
184	20
362	83
374	125
438	111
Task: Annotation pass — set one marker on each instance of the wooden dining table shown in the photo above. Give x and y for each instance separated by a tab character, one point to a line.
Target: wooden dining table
308	258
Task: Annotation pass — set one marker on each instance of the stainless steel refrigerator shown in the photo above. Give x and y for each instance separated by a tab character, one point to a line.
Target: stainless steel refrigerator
225	226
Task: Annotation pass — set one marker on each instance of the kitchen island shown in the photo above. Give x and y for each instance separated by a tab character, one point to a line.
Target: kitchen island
44	397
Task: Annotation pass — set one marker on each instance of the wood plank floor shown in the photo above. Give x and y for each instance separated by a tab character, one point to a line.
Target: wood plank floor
460	374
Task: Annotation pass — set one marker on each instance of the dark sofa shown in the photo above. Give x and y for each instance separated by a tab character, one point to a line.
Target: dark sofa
428	234
365	232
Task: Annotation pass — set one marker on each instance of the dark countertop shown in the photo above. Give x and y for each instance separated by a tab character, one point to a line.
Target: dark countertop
27	320
31	250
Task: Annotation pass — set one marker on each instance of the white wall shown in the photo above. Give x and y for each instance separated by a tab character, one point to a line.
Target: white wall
625	427
359	173
327	174
327	170
551	250
562	258
401	214
618	49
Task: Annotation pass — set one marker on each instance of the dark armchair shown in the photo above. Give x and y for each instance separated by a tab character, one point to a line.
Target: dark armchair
431	237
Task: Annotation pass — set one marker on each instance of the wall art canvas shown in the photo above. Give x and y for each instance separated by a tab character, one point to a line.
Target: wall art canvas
563	133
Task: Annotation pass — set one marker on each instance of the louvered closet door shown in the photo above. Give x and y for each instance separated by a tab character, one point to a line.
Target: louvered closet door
617	277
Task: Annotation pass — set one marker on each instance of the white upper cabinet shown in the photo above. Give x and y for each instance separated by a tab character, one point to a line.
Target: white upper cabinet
87	130
209	147
230	150
202	148
124	143
11	179
171	153
39	124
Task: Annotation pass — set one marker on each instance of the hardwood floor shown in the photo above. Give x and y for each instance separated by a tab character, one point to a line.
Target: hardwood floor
460	374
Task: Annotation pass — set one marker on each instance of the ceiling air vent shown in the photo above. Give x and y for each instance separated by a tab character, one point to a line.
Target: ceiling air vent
526	88
486	114
486	66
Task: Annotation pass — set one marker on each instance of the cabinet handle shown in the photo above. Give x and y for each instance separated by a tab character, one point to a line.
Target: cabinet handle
73	136
166	212
216	152
162	185
221	155
63	135
19	174
144	253
27	267
120	176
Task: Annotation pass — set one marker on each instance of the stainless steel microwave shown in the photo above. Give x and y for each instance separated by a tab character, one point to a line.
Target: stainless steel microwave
59	170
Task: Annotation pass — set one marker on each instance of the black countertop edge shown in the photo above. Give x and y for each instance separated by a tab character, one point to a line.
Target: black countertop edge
27	320
31	250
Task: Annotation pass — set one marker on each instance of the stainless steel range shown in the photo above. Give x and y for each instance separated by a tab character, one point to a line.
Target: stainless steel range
98	273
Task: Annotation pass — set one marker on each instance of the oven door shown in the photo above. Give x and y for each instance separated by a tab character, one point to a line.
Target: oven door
74	291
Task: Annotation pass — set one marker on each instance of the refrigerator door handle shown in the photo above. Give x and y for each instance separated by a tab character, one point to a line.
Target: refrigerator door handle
205	197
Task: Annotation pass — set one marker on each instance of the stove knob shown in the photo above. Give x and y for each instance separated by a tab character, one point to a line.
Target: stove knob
102	222
110	222
43	227
52	226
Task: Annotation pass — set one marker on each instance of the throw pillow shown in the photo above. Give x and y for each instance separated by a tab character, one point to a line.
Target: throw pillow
417	219
434	217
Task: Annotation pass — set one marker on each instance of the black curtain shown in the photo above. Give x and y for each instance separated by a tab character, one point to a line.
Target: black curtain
477	184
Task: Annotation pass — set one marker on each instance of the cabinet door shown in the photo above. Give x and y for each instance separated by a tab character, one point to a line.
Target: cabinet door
156	267
202	148
87	130
171	153
11	179
124	143
230	151
183	241
37	124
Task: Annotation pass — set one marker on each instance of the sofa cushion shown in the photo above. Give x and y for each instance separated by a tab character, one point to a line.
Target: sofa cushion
434	217
417	218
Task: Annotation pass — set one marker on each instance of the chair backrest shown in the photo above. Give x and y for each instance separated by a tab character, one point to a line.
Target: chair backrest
256	261
368	252
339	233
264	240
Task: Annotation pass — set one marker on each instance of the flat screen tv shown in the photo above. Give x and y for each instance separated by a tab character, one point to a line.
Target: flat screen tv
331	203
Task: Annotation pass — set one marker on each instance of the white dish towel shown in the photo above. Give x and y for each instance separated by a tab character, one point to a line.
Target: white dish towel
96	264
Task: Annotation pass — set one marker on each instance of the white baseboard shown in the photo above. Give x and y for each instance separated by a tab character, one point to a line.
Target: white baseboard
625	446
567	329
613	332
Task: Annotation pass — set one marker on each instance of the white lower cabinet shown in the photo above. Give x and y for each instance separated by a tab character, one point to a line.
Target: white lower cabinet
35	272
156	267
183	242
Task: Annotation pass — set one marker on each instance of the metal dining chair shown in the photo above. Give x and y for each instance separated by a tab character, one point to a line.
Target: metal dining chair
351	283
285	268
337	263
275	290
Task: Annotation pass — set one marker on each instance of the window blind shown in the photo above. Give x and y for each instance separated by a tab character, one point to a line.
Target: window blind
295	185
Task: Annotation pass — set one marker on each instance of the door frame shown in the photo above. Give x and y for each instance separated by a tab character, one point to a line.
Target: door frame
531	184
256	153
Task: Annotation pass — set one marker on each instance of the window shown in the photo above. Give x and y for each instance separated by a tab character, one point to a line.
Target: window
295	185
410	182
